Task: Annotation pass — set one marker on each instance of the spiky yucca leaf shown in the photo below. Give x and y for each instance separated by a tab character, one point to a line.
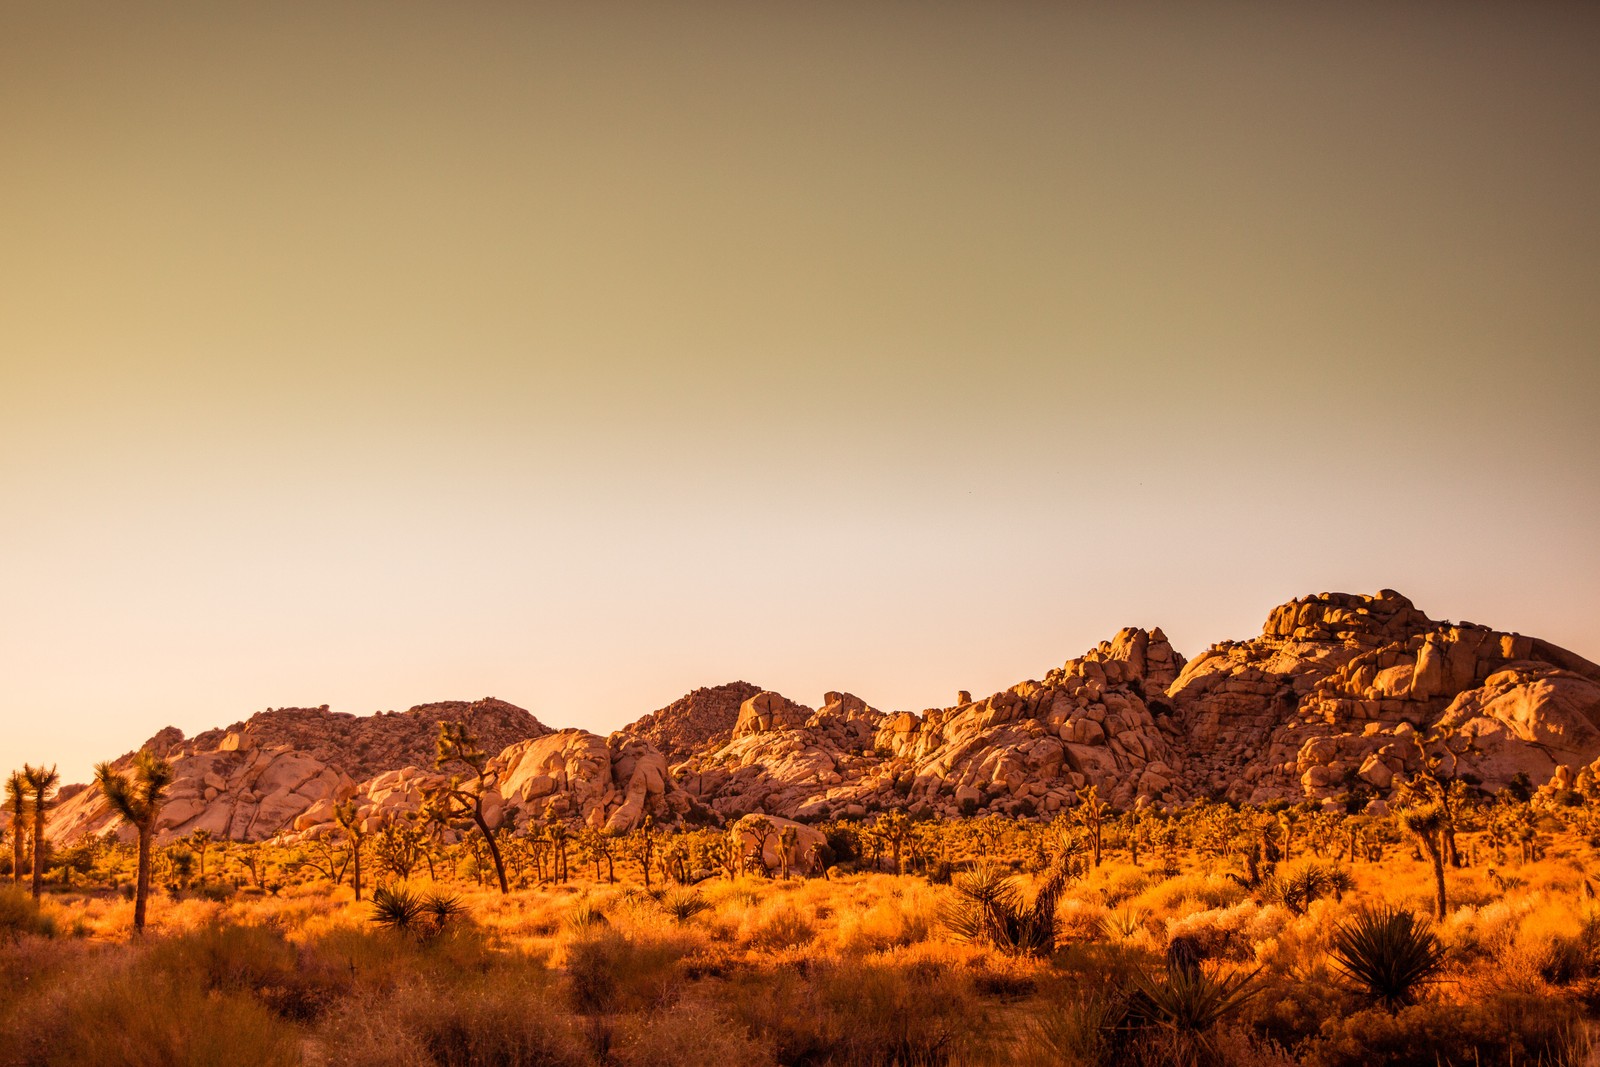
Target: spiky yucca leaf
1193	1000
683	904
398	909
1389	953
444	909
989	906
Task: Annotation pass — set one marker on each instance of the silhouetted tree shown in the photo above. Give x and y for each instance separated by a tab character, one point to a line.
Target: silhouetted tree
1426	824
464	793
17	804
42	782
138	798
353	824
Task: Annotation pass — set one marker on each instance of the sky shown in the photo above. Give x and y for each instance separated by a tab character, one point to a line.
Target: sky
584	354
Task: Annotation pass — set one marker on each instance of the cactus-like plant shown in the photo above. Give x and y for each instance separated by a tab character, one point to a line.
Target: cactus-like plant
1389	953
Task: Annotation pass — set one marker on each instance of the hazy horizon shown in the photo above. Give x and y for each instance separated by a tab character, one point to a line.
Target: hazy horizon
583	355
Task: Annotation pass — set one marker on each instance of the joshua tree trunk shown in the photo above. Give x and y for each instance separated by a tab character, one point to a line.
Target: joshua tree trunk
141	891
38	851
1436	855
355	864
494	852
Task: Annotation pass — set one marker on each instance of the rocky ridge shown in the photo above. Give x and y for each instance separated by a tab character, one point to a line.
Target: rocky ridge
1335	701
704	717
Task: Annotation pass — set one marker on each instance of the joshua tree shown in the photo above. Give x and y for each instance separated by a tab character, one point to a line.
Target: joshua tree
41	782
351	821
17	804
557	834
1091	813
137	798
1426	824
761	829
647	847
201	842
464	793
893	828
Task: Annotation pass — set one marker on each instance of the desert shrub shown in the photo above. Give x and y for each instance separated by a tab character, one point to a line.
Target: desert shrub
1299	884
682	903
1124	884
896	922
1232	932
20	916
1206	890
860	1013
609	971
508	1019
988	906
1085	1029
692	1033
1389	953
128	1017
1507	1030
776	925
254	960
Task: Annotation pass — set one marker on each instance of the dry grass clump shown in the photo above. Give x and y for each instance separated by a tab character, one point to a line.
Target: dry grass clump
21	917
1189	892
513	1017
689	1033
121	1013
871	1011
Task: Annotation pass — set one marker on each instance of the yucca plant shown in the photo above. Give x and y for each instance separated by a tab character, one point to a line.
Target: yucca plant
585	916
1296	886
1192	1000
990	907
398	909
1389	953
423	916
444	909
683	904
1122	925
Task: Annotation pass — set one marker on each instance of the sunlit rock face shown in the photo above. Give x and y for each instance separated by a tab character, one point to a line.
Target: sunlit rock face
1338	699
705	717
258	778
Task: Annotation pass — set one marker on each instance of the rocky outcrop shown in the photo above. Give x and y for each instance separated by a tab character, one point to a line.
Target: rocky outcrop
260	777
362	746
698	720
767	711
1338	699
1337	694
1028	749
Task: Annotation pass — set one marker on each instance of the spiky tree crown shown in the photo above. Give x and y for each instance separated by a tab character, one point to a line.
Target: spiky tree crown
41	782
17	795
136	797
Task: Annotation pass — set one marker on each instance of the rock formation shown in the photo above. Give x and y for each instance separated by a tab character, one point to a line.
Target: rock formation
1337	700
705	717
256	778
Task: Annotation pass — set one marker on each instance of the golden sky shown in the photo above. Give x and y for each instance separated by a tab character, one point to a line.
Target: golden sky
585	354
